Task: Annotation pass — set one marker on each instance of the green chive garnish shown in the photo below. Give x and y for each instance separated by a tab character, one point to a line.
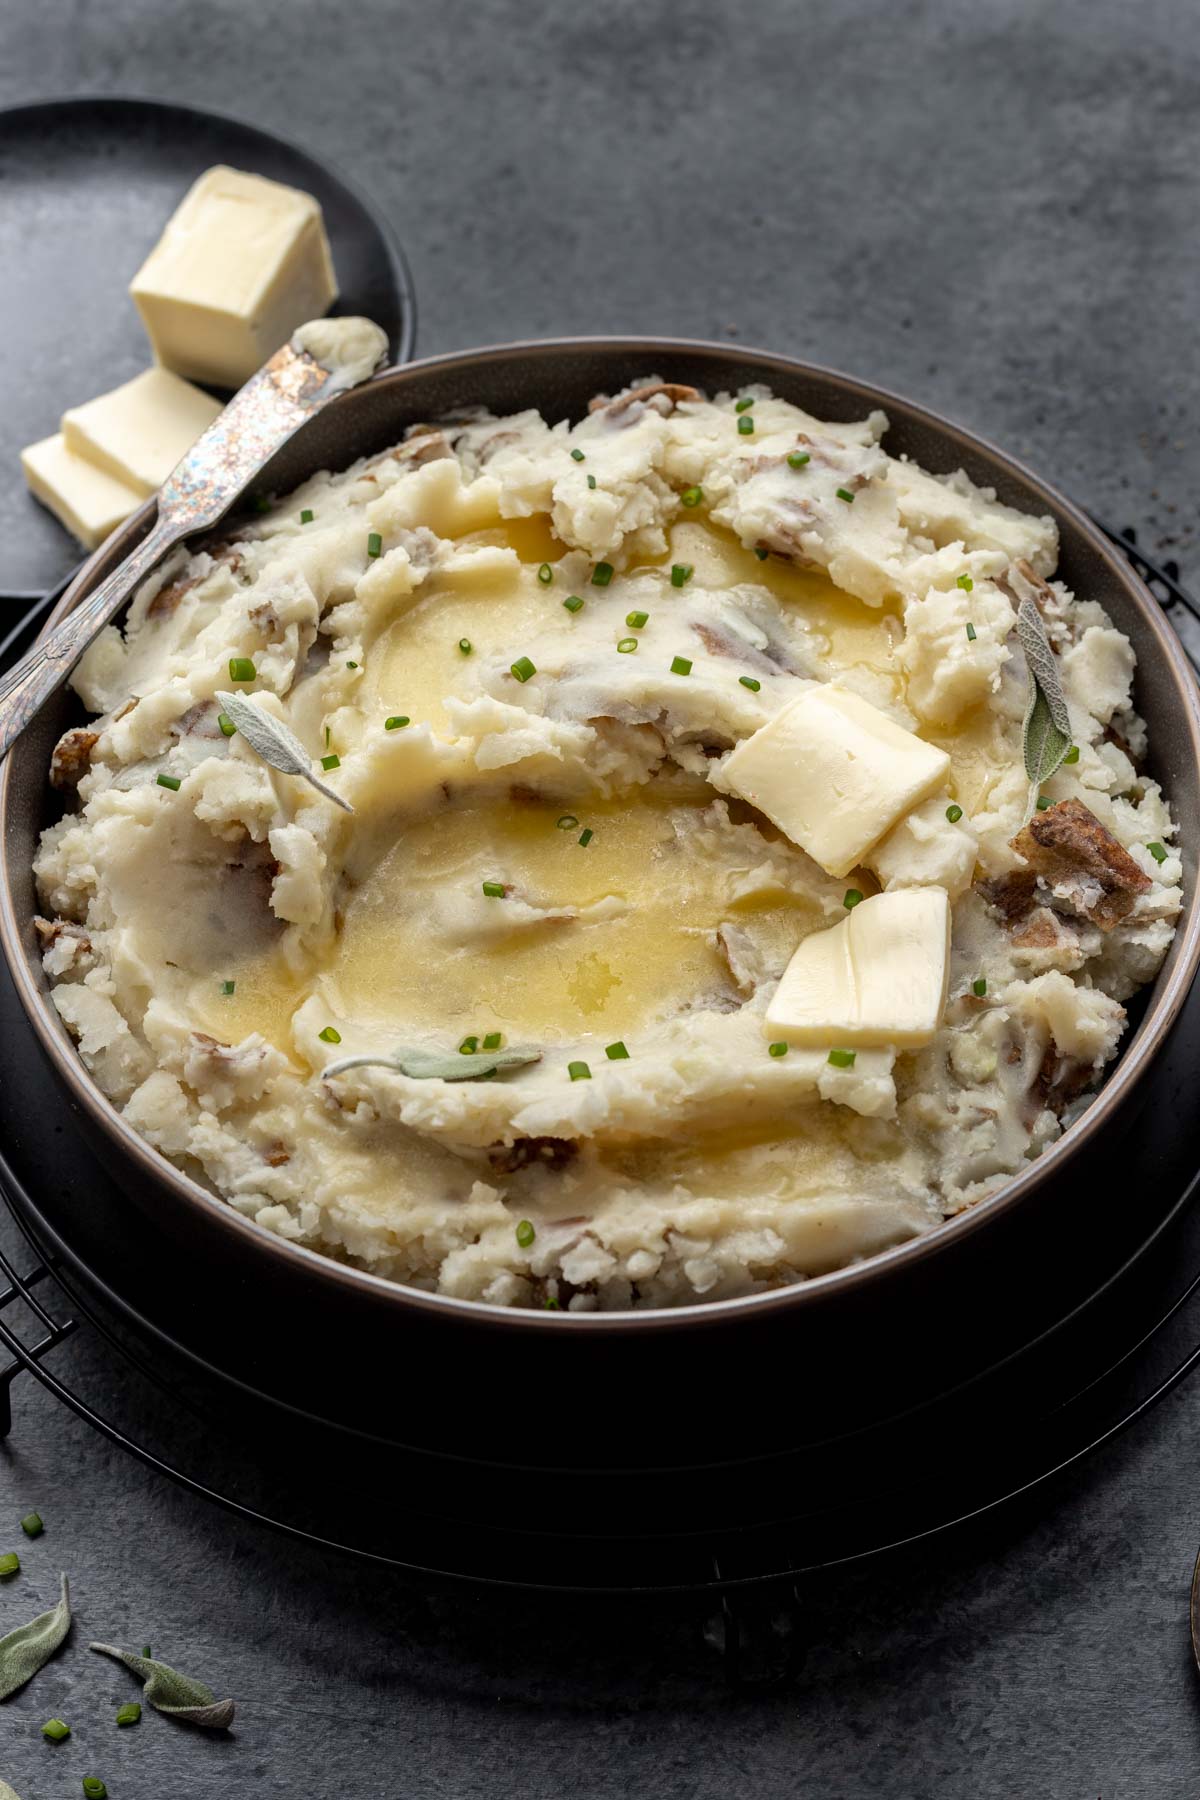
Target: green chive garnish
1158	852
94	1788
10	1563
227	987
464	645
636	619
32	1525
306	517
1044	803
748	681
777	1049
586	836
493	1040
798	458
602	574
970	633
681	574
572	603
845	494
577	455
469	1046
146	1647
568	822
851	898
546	574
523	668
374	544
616	1052
680	665
226	723
56	1730
1072	755
330	1035
261	504
397	722
842	1059
241	669
954	814
551	1305
129	1714
965	583
761	554
979	987
352	665
745	427
493	890
627	646
591	481
744	404
525	1234
332	761
169	781
579	1071
692	496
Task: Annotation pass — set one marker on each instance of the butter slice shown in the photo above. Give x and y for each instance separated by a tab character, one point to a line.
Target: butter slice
834	773
138	432
88	501
879	976
243	261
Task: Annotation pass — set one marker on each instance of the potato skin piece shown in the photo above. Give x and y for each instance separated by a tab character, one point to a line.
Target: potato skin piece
1067	844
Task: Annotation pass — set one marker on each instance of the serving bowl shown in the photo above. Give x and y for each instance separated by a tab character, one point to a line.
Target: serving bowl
955	1272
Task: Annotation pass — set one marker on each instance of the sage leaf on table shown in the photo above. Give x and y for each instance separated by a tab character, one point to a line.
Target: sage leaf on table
276	743
25	1650
427	1065
1047	728
170	1692
7	1793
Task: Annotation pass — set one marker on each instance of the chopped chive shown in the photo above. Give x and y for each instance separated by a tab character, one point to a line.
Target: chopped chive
851	898
332	761
845	494
129	1714
170	781
579	1071
680	665
374	544
965	583
493	890
397	722
798	458
10	1563
1158	852
469	1046
1072	755
226	723
227	987
146	1647
352	665
551	1305
746	427
637	619
954	813
842	1059
692	496
616	1052
591	481
627	646
744	404
493	1040
577	455
970	632
306	517
681	574
32	1525
748	681
328	736
568	822
56	1730
586	836
573	603
523	668
330	1035
261	504
545	574
94	1788
525	1234
602	574
464	645
1044	803
761	554
241	669
979	986
777	1049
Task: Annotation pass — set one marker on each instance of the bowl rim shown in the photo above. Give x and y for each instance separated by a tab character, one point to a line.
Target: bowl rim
808	1292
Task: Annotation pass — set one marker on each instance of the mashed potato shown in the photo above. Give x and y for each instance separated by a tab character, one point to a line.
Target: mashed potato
524	653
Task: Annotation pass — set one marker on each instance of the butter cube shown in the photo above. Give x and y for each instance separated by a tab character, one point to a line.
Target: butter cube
88	501
243	261
879	976
834	773
140	430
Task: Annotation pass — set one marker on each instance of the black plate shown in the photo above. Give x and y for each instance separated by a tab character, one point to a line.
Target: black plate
86	187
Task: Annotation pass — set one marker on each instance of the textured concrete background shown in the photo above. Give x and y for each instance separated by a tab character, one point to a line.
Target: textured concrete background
993	207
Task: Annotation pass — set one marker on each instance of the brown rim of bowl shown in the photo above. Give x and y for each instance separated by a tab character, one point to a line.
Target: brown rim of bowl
1129	1070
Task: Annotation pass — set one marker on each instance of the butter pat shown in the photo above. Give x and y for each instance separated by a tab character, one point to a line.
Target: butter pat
140	431
834	773
88	501
877	977
243	261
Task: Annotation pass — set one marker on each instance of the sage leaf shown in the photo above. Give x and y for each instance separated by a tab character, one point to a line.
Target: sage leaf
276	743
24	1651
428	1065
1047	727
7	1793
170	1692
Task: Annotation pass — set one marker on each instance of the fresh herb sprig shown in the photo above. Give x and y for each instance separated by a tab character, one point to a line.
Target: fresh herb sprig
170	1692
1046	732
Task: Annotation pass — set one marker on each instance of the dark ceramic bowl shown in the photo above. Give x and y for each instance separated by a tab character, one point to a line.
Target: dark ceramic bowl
372	1316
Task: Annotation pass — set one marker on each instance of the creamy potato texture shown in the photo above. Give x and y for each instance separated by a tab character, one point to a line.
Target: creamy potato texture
525	653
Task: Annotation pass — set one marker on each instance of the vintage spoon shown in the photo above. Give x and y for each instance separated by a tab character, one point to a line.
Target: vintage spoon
321	361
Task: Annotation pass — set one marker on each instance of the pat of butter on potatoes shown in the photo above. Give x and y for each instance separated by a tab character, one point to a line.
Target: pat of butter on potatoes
879	976
242	262
834	774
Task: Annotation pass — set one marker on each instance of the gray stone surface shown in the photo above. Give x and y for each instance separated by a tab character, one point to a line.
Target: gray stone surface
988	205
